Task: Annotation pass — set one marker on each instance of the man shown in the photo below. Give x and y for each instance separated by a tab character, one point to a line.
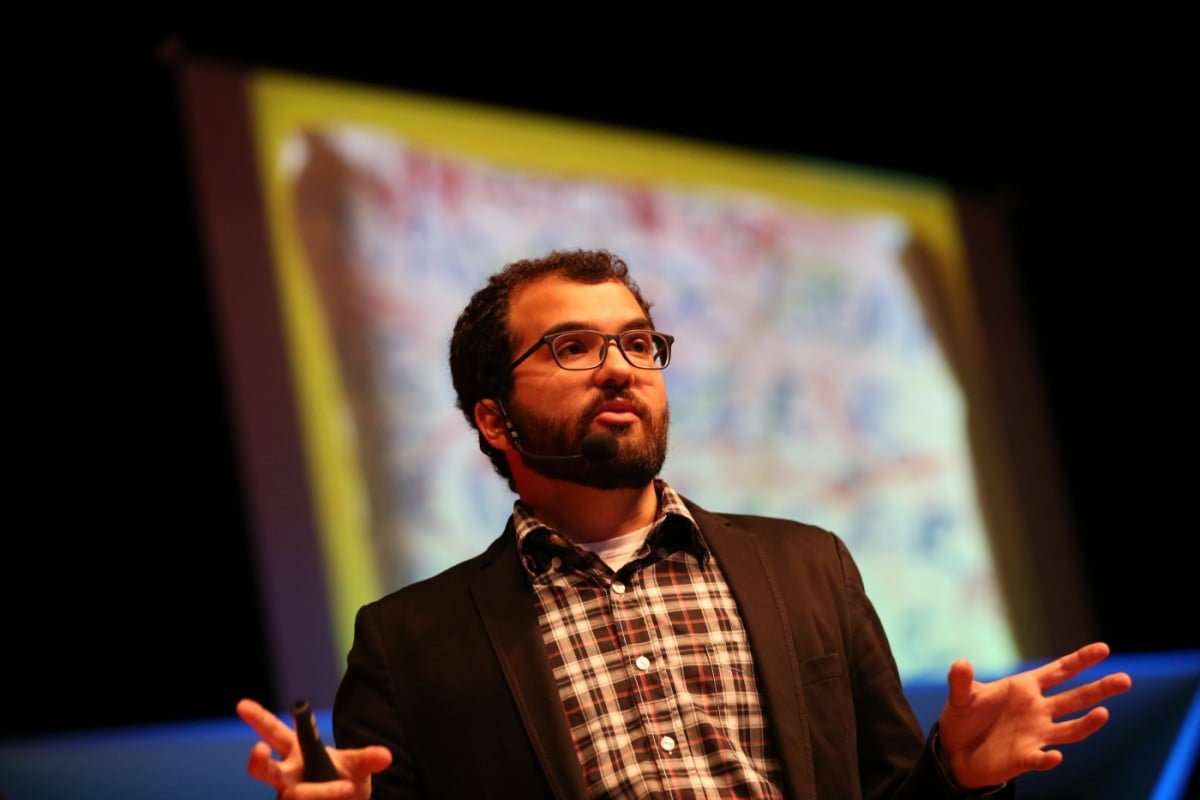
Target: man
619	641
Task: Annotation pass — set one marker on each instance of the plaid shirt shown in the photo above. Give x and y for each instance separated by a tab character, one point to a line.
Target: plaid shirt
652	664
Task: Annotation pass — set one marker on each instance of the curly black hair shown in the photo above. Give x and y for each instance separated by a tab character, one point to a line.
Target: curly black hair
482	345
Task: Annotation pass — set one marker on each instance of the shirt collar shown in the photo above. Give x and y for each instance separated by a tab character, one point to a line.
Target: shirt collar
537	551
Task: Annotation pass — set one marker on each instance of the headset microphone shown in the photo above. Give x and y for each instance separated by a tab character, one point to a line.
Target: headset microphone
599	446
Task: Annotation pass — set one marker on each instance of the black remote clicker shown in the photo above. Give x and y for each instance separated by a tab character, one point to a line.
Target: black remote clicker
317	766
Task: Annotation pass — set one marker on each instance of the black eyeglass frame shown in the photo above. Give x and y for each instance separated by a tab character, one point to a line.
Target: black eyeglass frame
550	338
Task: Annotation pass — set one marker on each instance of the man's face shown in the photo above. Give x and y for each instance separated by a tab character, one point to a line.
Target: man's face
554	409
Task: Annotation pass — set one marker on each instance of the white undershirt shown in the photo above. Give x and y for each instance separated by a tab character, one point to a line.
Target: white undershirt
619	550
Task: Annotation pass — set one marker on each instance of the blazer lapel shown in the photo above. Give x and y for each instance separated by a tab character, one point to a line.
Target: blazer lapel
756	589
505	602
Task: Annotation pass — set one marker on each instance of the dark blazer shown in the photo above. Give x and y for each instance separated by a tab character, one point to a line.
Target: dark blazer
451	675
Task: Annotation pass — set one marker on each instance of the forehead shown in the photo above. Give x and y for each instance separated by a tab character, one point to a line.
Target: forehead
550	301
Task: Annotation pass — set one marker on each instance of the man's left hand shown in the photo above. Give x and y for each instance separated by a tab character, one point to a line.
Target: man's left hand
993	732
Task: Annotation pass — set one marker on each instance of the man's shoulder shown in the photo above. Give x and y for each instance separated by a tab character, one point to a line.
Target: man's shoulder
449	587
777	539
776	526
761	525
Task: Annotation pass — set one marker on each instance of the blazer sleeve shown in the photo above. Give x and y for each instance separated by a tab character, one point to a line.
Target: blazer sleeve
365	711
884	721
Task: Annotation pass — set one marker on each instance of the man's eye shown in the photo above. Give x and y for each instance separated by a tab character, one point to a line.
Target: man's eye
641	343
568	347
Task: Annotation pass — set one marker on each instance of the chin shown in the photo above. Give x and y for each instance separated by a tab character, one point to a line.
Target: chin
616	430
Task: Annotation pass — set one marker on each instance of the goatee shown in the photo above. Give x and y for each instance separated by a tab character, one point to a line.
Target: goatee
638	461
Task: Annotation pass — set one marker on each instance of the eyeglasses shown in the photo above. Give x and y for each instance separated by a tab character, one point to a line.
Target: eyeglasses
580	350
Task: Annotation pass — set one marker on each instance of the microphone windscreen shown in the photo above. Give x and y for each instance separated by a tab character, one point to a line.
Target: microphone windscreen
599	446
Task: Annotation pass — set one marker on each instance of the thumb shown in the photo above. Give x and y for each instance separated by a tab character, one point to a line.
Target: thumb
961	677
364	761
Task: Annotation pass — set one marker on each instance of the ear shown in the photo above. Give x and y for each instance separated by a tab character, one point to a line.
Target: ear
490	423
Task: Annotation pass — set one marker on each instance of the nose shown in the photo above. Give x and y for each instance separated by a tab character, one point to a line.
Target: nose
614	368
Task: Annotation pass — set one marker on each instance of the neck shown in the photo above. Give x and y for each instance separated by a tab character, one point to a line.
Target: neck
584	514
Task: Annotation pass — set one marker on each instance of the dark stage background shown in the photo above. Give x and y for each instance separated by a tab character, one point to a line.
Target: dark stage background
131	597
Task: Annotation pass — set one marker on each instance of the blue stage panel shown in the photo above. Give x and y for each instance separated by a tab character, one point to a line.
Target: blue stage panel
183	761
1148	749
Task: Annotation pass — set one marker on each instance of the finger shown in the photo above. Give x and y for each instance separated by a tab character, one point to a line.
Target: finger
1041	761
261	767
1077	730
1082	697
279	736
1069	666
362	762
961	678
333	790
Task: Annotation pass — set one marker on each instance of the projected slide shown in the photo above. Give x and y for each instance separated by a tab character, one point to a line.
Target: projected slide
810	378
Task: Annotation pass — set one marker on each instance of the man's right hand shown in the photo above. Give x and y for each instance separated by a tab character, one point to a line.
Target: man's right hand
284	774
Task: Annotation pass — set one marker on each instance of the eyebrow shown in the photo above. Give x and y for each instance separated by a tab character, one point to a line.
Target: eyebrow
638	324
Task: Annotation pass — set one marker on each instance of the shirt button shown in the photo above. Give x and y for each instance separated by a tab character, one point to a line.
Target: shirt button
618	587
642	663
667	743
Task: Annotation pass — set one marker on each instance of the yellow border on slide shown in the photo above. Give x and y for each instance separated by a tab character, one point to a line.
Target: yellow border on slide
282	105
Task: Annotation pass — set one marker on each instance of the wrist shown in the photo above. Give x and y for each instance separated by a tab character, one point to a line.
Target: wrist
943	762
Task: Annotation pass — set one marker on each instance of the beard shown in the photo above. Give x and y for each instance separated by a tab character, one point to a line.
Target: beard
637	462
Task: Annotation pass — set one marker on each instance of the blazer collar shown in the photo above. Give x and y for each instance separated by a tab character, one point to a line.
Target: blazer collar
505	603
